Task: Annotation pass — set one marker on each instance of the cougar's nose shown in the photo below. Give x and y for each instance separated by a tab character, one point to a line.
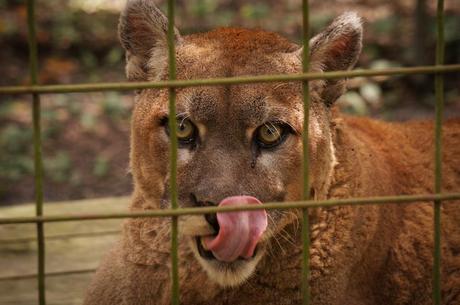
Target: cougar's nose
210	218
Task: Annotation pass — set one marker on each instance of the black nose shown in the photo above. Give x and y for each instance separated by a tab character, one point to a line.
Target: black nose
210	218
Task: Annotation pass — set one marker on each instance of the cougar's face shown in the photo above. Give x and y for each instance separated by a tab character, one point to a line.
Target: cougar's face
238	144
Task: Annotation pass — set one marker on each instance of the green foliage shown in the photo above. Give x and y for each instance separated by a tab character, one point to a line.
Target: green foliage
76	177
50	123
452	28
254	11
65	33
115	56
5	109
14	169
201	8
224	18
353	103
319	22
15	139
113	106
74	108
15	157
58	168
386	26
101	166
88	59
15	147
7	27
88	121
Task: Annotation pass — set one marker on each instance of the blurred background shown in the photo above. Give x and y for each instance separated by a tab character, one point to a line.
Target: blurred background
86	136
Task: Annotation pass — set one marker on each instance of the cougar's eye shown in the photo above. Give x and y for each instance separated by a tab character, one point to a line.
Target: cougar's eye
186	131
270	135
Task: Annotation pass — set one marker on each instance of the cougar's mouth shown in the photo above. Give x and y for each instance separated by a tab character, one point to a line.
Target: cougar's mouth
230	255
206	254
226	274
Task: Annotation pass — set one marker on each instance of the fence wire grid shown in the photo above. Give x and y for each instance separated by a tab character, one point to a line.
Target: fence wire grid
174	212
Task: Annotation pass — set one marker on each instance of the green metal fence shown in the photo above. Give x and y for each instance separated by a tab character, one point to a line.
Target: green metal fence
174	212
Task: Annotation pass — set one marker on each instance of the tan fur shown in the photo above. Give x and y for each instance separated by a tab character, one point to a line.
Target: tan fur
359	255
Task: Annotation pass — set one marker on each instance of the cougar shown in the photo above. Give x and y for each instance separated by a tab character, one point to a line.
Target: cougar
242	144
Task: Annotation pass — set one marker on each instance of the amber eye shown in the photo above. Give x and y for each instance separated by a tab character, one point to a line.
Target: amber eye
186	130
270	135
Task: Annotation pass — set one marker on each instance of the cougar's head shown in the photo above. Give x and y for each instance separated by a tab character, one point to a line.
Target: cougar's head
238	144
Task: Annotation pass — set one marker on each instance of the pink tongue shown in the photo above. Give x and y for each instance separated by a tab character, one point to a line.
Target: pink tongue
239	231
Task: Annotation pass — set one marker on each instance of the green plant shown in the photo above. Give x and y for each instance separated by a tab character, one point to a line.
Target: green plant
201	8
58	168
254	11
88	121
15	159
101	166
113	106
114	56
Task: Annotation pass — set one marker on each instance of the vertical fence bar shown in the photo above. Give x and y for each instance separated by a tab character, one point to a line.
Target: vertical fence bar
439	91
173	154
38	164
305	158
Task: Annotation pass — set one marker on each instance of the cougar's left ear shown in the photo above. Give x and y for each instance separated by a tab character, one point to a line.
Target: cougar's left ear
143	34
336	48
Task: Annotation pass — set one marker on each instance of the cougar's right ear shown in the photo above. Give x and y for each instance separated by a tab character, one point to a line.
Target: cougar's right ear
336	48
143	34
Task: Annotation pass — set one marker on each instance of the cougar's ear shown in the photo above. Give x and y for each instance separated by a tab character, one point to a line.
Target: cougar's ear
336	48
143	34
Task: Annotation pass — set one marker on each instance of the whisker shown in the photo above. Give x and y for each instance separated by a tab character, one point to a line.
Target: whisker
275	237
287	237
280	85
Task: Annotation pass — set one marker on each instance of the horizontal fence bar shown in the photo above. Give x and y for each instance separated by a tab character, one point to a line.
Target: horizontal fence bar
125	86
226	209
4	241
48	274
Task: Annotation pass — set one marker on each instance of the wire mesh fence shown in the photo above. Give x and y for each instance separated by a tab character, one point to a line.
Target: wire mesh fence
174	212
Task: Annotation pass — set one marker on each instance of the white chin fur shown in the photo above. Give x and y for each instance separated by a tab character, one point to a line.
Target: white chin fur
229	274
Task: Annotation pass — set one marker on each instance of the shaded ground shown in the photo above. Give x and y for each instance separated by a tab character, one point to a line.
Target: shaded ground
86	136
